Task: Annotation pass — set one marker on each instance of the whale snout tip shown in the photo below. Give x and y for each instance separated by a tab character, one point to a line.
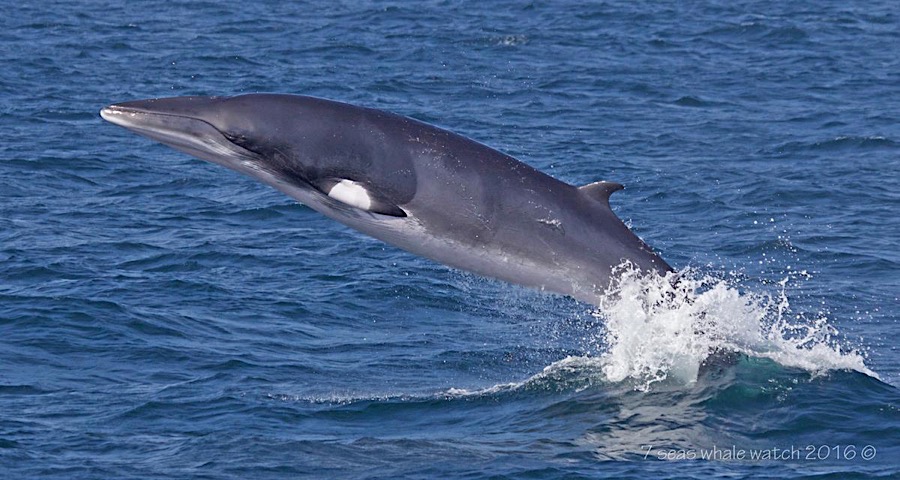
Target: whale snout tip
113	114
124	115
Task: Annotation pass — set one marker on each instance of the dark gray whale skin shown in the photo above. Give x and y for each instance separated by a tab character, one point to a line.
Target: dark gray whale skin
408	183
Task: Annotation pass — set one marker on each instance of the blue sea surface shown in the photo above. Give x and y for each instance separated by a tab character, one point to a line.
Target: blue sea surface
163	317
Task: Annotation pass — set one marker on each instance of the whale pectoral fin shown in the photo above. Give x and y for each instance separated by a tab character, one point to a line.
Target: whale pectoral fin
600	191
356	195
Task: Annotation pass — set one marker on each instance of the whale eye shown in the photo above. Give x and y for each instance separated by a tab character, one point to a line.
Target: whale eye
234	137
241	140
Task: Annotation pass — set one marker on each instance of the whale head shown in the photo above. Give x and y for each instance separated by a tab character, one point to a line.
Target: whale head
300	145
236	132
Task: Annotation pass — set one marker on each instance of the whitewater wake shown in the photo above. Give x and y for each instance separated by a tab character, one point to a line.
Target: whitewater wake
658	329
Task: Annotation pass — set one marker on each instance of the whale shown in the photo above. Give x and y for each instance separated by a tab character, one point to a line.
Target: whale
410	184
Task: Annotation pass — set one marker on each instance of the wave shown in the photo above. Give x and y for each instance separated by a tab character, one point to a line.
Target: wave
840	143
685	362
666	330
671	332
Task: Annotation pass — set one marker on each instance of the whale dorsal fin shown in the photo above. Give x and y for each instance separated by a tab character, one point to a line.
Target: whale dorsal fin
600	191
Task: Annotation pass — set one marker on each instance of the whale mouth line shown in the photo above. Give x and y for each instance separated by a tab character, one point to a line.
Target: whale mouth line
192	135
114	114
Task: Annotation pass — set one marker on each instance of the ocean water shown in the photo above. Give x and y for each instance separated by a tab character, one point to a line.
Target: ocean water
161	317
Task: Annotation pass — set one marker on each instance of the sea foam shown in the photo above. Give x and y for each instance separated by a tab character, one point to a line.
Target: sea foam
659	328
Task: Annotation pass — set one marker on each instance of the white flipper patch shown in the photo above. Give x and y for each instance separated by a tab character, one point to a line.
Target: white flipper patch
351	193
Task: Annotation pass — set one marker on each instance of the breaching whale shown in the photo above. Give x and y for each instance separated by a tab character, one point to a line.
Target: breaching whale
410	184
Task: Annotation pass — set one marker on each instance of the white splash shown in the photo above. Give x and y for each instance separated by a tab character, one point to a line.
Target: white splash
656	330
